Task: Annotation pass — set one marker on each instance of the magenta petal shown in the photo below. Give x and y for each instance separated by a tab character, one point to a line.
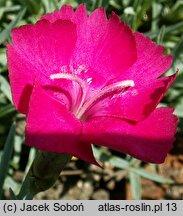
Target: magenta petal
39	48
21	76
45	45
106	47
50	127
67	13
135	104
145	98
151	62
149	140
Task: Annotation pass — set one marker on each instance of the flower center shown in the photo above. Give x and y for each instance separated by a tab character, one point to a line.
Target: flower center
79	81
80	109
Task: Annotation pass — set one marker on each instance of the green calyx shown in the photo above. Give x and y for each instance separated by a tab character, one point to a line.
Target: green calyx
43	173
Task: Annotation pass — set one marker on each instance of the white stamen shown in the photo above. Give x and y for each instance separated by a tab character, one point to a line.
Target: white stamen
110	88
75	79
68	77
89	80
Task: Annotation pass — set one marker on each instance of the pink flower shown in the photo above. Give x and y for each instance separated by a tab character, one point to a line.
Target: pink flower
88	79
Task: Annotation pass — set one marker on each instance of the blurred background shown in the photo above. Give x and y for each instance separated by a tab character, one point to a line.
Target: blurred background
122	177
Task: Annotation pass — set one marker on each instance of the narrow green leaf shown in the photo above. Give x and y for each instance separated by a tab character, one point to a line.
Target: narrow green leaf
135	183
115	161
151	176
11	183
5	33
168	29
156	9
17	151
179	108
32	6
3	60
10	8
32	155
46	4
6	110
100	2
55	4
178	49
5	88
12	195
161	35
123	164
7	152
115	4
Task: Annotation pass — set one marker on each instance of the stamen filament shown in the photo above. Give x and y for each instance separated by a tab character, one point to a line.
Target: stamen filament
110	88
75	79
